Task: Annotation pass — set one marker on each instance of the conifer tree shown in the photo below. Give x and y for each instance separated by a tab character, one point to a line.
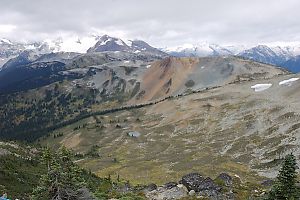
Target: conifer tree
62	179
285	185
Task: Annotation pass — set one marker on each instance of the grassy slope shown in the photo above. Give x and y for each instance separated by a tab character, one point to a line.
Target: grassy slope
228	129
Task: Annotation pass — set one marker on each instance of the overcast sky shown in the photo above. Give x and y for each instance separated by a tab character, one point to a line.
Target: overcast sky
159	22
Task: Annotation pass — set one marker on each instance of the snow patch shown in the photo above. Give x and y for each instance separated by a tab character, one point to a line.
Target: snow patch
128	42
261	87
105	41
5	41
119	42
30	47
126	61
288	82
137	51
148	66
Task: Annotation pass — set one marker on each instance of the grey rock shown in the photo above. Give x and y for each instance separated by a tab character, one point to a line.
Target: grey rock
192	181
208	184
170	185
226	179
267	182
192	193
150	187
163	193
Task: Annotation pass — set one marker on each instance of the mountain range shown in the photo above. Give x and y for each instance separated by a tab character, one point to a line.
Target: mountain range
283	56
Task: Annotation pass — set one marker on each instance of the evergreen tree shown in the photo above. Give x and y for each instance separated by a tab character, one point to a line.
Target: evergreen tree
63	177
285	185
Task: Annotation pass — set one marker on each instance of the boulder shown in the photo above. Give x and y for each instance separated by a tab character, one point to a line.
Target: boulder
150	188
170	185
163	193
267	183
192	181
208	184
226	179
192	193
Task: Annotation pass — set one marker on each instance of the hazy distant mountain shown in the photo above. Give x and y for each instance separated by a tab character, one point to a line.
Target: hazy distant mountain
292	64
275	55
283	56
200	50
265	54
107	43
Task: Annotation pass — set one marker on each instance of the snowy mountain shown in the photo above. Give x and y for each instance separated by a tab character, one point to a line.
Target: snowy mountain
107	43
11	49
270	55
292	64
283	56
200	50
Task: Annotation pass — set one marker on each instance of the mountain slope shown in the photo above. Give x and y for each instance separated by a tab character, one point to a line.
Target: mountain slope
173	76
265	54
293	64
229	128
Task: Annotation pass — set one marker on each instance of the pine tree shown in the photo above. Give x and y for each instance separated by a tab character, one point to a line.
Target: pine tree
285	185
63	177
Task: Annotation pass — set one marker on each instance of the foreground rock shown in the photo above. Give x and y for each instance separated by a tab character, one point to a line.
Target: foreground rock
165	193
193	184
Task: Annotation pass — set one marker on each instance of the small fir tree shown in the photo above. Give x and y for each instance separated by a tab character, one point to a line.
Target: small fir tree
285	186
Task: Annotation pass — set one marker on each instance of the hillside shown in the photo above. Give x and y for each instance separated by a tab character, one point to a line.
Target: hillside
101	81
230	128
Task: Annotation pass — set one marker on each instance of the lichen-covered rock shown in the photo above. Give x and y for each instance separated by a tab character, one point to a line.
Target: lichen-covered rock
209	188
201	186
192	181
170	185
226	179
267	183
162	193
150	188
192	193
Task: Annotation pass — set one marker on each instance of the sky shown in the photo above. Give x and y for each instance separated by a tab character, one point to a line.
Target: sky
161	23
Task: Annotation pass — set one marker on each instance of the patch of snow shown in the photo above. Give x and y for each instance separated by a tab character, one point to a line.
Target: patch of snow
128	42
261	87
288	82
134	134
30	47
148	66
137	51
5	40
203	67
126	61
76	71
119	42
105	41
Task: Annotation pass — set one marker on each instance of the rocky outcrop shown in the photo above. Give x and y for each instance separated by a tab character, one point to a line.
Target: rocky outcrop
193	184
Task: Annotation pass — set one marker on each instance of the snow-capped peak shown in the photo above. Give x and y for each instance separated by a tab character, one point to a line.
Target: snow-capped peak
4	40
71	44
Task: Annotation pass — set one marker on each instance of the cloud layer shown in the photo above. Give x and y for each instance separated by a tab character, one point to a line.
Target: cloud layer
160	22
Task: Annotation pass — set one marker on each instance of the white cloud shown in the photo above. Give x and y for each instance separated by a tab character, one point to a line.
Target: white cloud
7	28
161	23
